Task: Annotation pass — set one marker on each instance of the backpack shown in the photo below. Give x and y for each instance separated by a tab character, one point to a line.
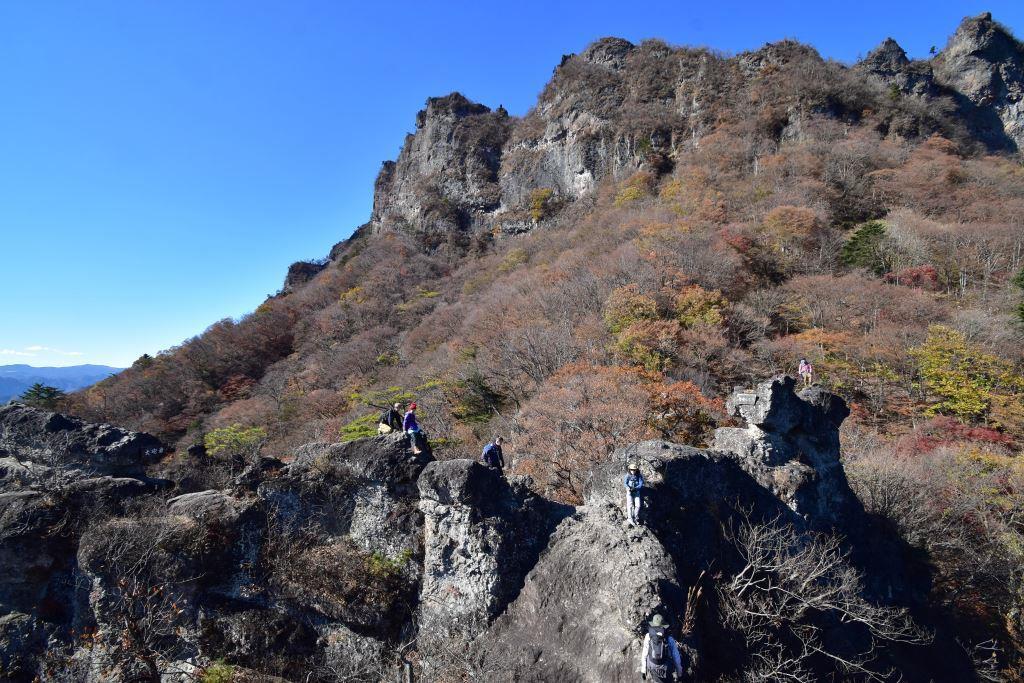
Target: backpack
489	456
384	417
657	659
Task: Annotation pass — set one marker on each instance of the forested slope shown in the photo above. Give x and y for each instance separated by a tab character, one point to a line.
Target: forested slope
665	224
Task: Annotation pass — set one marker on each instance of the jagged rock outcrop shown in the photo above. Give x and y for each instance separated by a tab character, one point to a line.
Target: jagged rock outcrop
327	566
984	65
791	446
889	63
299	273
481	535
446	176
48	438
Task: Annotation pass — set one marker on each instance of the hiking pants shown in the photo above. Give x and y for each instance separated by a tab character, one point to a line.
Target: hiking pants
632	505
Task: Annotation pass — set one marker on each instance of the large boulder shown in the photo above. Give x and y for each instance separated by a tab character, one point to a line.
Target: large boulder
581	612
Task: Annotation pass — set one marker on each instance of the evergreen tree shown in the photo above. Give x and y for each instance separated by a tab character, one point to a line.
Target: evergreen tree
42	396
862	250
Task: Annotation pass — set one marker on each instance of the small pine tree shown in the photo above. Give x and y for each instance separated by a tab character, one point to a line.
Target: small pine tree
42	396
862	250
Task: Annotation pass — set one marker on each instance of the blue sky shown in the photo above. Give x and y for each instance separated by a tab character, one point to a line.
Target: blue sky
161	163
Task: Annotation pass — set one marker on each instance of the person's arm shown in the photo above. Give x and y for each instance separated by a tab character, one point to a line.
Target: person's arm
501	457
674	647
643	653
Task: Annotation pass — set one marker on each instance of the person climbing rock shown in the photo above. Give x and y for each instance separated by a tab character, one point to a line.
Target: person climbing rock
493	457
634	482
806	372
660	661
391	420
411	427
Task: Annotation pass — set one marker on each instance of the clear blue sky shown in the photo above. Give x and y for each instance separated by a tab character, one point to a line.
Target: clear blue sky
161	163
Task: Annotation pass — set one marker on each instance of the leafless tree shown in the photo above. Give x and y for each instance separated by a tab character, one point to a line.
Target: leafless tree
788	581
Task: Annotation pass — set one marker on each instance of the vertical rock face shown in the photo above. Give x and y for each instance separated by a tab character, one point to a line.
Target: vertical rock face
446	176
985	65
481	536
791	446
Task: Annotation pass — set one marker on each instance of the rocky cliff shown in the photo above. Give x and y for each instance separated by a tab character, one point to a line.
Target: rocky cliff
361	554
618	108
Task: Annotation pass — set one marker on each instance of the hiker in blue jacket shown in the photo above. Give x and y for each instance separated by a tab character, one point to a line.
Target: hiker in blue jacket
411	427
493	457
634	482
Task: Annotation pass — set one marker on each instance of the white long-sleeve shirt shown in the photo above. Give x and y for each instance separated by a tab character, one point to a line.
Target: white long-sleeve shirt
673	649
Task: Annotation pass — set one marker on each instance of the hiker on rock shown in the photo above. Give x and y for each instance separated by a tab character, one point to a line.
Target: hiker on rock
634	482
660	661
411	427
493	457
806	372
391	420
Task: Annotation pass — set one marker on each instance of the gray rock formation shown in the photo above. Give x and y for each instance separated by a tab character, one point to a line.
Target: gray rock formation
329	566
446	176
791	446
47	438
481	535
299	273
984	65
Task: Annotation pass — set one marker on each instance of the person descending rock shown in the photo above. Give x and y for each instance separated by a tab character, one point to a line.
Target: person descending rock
659	660
391	420
634	482
493	457
411	427
806	372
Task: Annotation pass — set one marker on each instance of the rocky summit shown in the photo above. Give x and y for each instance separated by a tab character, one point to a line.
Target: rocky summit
460	568
625	276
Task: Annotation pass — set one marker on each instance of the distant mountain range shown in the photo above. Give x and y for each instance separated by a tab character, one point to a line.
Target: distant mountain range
15	379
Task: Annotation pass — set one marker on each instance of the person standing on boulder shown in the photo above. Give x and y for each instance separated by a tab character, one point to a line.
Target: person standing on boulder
493	457
391	420
634	482
806	372
411	427
659	658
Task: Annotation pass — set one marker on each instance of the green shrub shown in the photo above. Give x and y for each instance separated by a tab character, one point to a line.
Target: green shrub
359	428
541	202
218	672
234	440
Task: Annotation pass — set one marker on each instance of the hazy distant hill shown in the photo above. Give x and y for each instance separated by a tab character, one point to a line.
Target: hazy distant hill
14	379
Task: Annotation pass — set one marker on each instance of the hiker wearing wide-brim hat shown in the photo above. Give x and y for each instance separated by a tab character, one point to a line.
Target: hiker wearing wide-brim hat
659	659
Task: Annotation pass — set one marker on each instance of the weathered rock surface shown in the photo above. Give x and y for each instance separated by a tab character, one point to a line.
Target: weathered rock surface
326	568
481	536
47	438
984	65
791	446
